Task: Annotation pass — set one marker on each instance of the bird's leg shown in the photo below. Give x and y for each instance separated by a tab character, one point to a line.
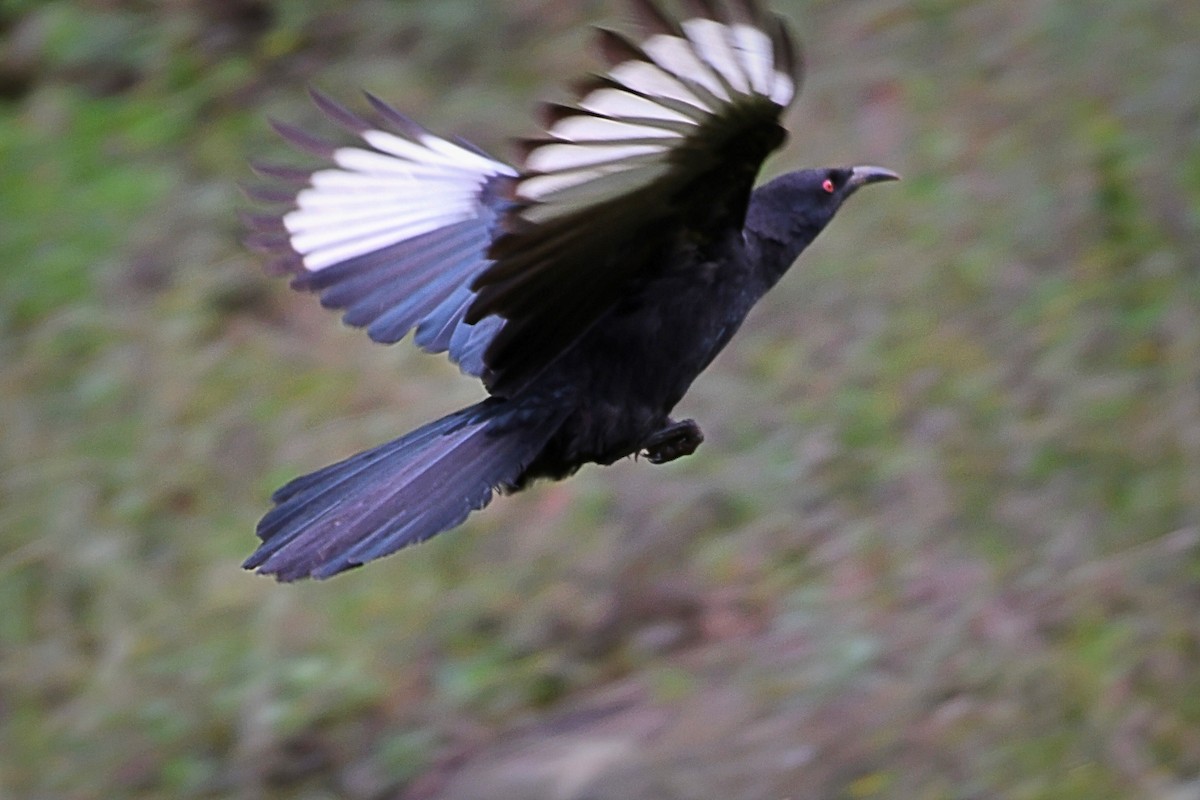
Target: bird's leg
672	441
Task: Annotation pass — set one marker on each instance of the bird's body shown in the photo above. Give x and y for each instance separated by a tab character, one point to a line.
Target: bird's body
587	290
684	315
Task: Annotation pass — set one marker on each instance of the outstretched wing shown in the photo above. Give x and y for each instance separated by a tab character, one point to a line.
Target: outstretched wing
392	232
664	146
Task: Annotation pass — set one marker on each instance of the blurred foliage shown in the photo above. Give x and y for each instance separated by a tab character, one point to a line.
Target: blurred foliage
943	542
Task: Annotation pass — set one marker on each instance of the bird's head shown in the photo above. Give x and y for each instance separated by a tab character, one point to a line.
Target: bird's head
795	207
834	185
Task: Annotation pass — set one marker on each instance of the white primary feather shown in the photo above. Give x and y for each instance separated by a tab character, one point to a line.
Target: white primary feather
451	156
711	40
650	80
757	56
397	191
316	240
367	196
382	197
716	64
463	157
784	89
372	162
543	186
557	157
312	219
616	103
678	57
339	179
326	254
569	190
583	128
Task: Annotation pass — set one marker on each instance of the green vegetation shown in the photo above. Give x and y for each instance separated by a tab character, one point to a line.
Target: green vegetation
943	541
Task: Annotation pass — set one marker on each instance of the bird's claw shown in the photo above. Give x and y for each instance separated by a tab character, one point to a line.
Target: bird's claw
676	440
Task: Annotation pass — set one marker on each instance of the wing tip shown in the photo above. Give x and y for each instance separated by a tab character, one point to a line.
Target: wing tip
397	119
303	140
339	113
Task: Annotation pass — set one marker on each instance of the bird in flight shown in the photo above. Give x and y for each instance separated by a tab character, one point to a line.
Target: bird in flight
587	286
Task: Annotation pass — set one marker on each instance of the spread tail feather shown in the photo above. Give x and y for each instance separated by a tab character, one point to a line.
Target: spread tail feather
399	493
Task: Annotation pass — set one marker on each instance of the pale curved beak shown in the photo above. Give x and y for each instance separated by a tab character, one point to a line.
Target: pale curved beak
861	176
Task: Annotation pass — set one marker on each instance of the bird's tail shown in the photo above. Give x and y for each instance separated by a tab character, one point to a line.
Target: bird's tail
398	493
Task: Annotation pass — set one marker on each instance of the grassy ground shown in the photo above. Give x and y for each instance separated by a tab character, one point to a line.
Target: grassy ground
943	540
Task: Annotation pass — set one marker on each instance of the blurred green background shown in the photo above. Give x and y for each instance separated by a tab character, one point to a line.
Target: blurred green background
943	540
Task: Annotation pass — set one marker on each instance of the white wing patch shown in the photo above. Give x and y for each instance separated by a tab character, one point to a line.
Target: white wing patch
710	39
602	129
647	105
684	60
757	56
378	197
561	157
616	104
649	80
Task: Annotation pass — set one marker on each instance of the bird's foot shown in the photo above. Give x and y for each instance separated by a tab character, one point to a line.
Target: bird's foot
676	440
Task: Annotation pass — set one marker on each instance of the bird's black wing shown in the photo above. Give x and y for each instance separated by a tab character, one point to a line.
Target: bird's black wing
665	145
391	232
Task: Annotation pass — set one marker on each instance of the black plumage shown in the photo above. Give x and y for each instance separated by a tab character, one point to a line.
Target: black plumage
587	289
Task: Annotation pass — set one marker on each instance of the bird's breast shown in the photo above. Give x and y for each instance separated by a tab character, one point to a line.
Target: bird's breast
627	373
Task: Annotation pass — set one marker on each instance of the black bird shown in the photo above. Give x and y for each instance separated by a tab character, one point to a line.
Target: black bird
587	287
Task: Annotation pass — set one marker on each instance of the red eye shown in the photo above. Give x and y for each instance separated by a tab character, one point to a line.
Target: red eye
827	186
